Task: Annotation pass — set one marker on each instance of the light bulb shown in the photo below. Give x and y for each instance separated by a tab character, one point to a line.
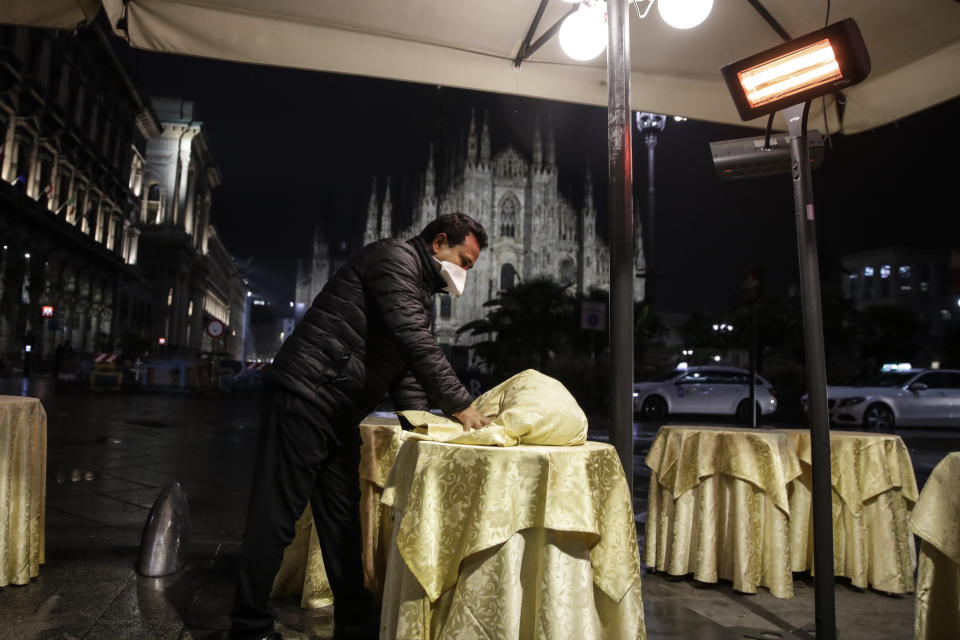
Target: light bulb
583	34
684	14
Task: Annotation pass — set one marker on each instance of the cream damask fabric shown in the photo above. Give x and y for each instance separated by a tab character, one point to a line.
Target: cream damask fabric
874	490
452	501
719	507
537	584
936	519
528	408
23	488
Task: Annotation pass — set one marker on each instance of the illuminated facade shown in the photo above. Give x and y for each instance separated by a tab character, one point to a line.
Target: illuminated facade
73	129
534	230
195	279
95	226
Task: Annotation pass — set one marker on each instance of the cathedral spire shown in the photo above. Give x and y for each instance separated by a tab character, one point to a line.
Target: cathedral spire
386	219
472	141
485	139
588	192
550	161
371	232
430	179
537	147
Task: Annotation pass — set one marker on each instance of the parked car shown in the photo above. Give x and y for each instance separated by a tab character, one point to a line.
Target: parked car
912	397
710	390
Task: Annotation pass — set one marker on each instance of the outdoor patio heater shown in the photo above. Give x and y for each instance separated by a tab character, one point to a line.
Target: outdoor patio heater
786	78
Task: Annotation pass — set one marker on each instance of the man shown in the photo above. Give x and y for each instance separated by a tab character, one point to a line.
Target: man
366	333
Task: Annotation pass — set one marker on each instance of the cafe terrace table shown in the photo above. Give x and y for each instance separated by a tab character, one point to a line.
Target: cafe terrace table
301	572
23	468
719	506
513	542
936	520
874	489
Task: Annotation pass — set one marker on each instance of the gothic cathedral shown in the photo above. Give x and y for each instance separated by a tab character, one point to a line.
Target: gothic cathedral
533	229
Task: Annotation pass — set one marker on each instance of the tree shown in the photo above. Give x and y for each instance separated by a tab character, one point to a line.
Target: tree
526	327
537	325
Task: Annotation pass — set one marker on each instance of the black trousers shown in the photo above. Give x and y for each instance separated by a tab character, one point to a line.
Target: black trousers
301	457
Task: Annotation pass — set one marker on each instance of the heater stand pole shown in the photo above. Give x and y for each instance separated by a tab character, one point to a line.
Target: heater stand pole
824	603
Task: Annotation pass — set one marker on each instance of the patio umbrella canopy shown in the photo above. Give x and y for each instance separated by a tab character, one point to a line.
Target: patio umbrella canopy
914	46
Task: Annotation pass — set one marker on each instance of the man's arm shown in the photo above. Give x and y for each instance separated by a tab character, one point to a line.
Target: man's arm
406	393
392	276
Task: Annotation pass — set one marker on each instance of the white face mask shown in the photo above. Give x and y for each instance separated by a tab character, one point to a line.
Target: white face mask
454	275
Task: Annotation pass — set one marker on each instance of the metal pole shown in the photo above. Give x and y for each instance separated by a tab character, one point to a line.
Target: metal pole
753	365
650	137
619	144
816	372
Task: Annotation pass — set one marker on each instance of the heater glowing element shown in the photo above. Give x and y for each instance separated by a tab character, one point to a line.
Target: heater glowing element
806	68
821	62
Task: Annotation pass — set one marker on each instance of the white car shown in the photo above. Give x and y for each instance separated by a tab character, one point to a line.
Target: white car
915	397
710	390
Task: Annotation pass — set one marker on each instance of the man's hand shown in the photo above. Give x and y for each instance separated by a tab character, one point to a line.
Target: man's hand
471	419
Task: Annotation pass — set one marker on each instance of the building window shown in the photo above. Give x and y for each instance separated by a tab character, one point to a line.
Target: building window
153	204
508	216
24	158
906	285
924	277
508	277
445	306
568	272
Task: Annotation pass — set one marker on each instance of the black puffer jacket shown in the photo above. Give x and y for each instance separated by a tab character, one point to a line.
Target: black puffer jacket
366	332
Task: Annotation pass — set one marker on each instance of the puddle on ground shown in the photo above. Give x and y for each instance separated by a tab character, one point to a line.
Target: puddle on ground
64	474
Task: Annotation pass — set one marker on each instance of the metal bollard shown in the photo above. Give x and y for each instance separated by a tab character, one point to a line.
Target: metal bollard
165	533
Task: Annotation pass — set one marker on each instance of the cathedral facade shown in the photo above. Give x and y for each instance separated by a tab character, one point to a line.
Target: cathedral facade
534	230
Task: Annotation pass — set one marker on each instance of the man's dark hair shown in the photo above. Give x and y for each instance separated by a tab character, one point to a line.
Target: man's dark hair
457	226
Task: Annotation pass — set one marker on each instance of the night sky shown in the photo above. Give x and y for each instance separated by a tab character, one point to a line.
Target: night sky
297	147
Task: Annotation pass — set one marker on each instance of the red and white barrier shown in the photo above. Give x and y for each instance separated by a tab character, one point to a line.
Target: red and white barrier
105	358
256	366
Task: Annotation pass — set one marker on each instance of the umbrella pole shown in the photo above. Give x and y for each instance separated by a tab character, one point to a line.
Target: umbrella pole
619	144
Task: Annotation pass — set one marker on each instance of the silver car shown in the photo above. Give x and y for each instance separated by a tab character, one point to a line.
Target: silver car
915	397
713	390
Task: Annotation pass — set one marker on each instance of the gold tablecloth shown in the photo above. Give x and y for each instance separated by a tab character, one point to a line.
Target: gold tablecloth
526	541
301	572
23	474
936	520
874	489
719	506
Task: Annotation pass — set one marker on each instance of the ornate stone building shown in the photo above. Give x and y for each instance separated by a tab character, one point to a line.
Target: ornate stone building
73	129
94	223
194	277
534	229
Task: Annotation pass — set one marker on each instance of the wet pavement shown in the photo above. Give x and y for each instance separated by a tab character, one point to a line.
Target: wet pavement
111	453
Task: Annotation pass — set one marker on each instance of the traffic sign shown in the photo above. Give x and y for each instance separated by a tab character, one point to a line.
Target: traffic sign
593	316
215	329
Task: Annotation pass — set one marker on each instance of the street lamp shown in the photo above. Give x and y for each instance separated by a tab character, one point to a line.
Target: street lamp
621	213
786	78
650	125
